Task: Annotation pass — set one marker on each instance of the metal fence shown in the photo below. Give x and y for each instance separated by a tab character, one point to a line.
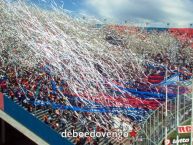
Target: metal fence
153	129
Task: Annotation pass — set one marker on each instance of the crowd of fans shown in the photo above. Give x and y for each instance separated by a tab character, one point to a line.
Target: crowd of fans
36	89
33	89
48	59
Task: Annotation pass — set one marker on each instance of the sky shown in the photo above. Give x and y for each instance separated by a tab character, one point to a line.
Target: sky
175	12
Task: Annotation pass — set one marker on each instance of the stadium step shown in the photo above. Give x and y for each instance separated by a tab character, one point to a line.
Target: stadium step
18	103
103	141
40	113
73	140
61	129
36	111
40	116
125	140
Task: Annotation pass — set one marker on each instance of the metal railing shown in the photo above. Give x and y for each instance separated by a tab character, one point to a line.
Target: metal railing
153	129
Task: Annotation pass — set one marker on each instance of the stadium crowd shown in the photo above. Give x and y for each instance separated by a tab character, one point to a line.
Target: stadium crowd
36	88
33	90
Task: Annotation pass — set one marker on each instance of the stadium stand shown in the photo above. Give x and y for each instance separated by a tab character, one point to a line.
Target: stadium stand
57	74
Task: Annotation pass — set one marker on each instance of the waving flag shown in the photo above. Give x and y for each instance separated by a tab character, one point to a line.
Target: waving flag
172	80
